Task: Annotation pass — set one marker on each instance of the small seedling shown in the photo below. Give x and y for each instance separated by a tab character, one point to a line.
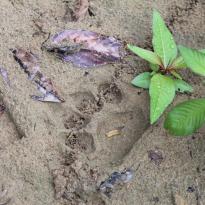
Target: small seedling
188	116
164	80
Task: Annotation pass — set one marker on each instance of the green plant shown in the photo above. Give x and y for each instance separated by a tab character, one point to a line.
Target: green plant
164	80
187	117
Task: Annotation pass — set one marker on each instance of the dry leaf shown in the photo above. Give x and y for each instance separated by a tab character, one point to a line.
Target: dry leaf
88	49
30	63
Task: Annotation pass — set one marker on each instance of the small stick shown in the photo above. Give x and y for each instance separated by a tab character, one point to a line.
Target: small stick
113	133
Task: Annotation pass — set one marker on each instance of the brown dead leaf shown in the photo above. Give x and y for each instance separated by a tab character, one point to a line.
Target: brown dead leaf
84	48
29	62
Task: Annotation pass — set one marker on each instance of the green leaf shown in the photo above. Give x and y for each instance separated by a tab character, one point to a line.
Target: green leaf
179	63
176	75
202	50
182	86
153	73
163	41
142	80
154	67
145	54
194	59
162	92
186	117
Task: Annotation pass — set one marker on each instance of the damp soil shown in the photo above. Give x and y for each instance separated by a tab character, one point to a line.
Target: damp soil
57	154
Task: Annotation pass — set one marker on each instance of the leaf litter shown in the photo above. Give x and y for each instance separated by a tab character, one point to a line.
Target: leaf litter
4	199
155	156
85	49
2	108
113	133
106	187
30	63
5	76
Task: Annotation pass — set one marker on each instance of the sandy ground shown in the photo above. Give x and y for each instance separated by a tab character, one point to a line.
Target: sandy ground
55	154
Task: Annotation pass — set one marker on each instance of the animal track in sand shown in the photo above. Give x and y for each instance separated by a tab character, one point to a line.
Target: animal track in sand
75	184
86	102
82	141
110	93
76	121
131	125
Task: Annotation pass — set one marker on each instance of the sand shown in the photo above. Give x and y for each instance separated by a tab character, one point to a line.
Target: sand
56	154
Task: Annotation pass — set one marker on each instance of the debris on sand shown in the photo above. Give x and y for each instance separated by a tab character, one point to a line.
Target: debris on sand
85	49
81	10
190	189
60	182
30	64
5	76
155	156
46	87
75	181
113	133
2	108
4	200
106	187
